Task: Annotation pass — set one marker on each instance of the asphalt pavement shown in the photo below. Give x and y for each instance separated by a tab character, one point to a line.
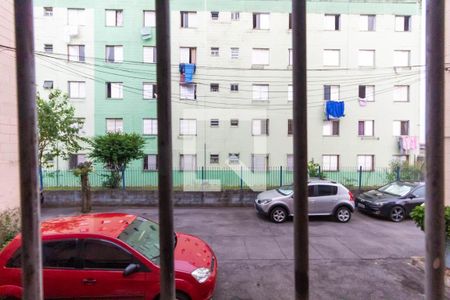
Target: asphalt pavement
367	258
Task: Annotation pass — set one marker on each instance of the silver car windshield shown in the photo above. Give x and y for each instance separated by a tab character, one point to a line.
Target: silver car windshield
396	189
285	190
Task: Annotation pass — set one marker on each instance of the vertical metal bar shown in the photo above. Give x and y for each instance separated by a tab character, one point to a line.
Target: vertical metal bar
165	189
300	150
29	200
281	175
397	173
434	213
359	178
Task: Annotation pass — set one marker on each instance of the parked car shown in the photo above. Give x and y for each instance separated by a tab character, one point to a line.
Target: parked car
110	256
395	200
325	198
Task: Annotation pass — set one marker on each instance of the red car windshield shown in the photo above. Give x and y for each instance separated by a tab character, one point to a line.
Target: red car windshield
143	235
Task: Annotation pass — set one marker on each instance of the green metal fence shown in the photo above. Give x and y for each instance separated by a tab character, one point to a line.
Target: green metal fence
225	178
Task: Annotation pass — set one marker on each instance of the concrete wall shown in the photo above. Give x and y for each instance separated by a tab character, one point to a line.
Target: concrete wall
447	104
9	157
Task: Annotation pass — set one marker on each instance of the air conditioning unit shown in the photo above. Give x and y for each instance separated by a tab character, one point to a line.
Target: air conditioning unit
146	33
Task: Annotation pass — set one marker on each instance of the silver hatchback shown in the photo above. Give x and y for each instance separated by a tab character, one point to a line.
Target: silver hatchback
325	198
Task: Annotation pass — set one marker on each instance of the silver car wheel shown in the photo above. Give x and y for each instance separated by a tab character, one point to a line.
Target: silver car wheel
397	214
278	215
343	215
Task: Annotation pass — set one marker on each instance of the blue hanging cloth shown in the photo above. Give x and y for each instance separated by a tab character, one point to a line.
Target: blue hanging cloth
189	70
335	109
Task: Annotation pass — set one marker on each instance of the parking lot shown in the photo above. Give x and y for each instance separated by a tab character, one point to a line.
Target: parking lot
365	258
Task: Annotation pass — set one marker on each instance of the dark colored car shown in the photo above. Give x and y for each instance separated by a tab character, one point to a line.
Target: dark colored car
395	200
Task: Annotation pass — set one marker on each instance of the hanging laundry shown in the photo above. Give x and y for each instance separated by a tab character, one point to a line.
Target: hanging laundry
187	72
334	109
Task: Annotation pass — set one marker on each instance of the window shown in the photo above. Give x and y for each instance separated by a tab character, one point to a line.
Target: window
260	56
367	22
60	254
291	57
76	53
48	11
98	254
77	89
290	128
401	93
114	54
366	128
290	92
332	22
149	55
114	17
366	162
234	87
330	162
330	128
151	162
214	158
400	158
149	18
188	162
188	19
114	90
260	162
214	122
261	21
260	92
48	84
402	58
326	190
114	125
235	16
214	87
366	58
402	23
290	162
366	92
233	158
234	53
420	192
331	57
215	15
75	160
150	126
75	16
188	91
188	55
400	128
234	123
260	127
48	48
331	92
214	51
188	127
149	90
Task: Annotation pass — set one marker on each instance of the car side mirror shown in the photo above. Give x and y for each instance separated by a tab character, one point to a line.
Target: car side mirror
412	196
130	269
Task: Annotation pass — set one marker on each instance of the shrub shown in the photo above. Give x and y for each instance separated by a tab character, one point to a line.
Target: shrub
314	170
9	225
418	215
407	172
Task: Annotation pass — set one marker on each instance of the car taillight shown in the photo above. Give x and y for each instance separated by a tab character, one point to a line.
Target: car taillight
352	198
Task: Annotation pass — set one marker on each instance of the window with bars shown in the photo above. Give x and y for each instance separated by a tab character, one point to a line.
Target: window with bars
235	16
214	15
48	84
48	48
260	127
151	162
214	87
234	53
214	122
234	87
214	158
48	11
214	51
234	123
114	17
233	158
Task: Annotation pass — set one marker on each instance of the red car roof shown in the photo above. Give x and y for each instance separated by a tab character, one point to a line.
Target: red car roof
108	224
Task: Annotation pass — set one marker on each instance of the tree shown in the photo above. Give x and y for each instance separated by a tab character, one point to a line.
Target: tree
82	171
116	150
59	130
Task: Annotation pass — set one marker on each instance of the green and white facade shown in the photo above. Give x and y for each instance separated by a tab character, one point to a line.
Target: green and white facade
243	77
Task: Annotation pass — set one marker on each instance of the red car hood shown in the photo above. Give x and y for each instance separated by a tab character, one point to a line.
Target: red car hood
191	253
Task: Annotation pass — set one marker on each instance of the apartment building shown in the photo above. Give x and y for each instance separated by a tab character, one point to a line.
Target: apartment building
447	104
232	78
9	141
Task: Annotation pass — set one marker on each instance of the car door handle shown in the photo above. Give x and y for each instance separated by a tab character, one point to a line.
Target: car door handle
89	281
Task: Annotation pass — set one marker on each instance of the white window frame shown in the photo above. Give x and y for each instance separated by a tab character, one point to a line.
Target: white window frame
149	54
116	51
329	22
260	92
114	17
400	23
149	90
369	128
261	21
260	162
150	126
76	89
290	92
330	162
366	161
328	126
366	58
76	16
335	91
331	57
188	55
152	165
290	162
188	165
188	127
188	19
188	92
260	127
397	127
261	56
400	92
114	125
149	18
364	24
75	54
369	91
399	60
291	57
116	90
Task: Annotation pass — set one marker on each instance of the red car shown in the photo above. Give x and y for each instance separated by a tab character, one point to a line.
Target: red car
110	256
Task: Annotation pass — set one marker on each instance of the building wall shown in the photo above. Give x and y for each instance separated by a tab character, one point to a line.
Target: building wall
225	105
447	104
9	152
